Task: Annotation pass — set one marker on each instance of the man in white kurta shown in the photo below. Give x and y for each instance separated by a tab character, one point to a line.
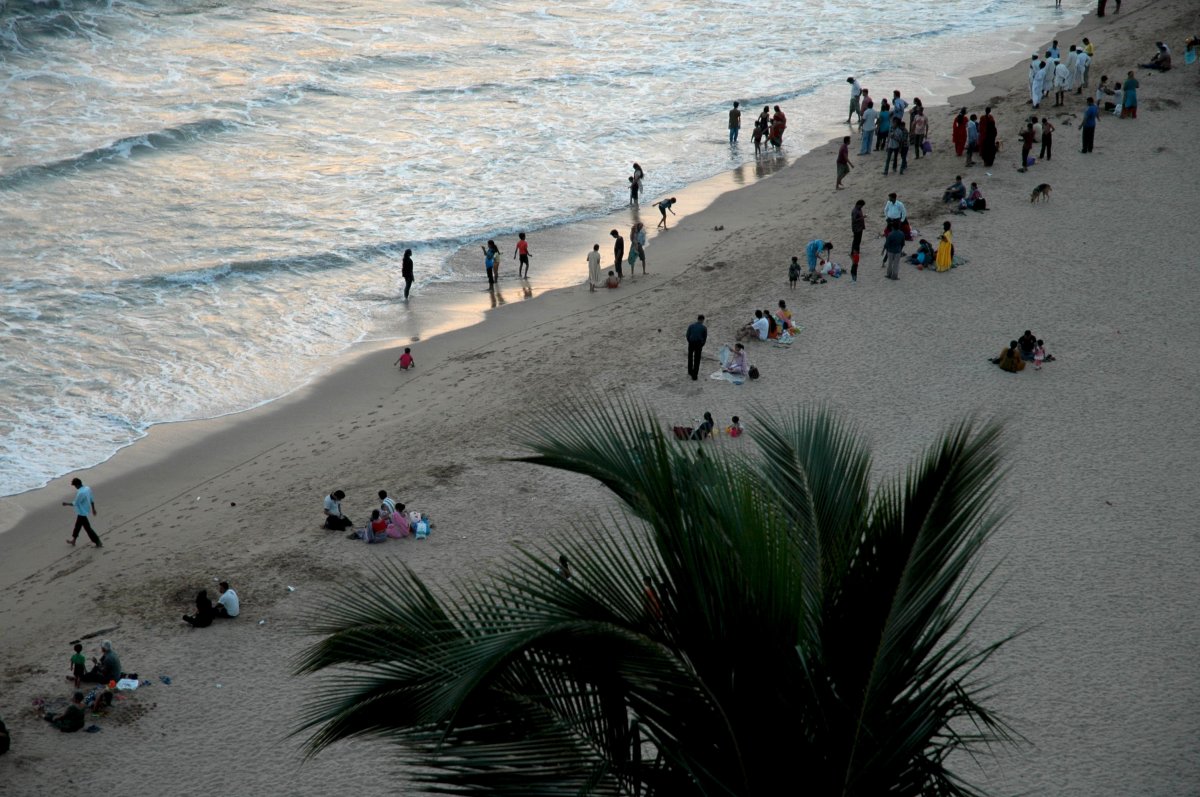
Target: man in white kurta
1079	77
1072	56
1062	80
1037	89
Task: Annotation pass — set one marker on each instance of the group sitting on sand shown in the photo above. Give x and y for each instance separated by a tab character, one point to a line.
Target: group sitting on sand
1027	348
227	607
769	326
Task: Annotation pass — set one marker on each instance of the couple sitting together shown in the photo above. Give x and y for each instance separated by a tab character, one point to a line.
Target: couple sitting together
227	607
967	200
769	326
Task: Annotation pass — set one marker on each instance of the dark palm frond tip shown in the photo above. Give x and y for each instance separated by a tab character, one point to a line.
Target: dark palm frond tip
795	620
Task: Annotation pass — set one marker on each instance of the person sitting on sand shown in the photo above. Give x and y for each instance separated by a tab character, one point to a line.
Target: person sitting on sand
974	200
1161	60
376	530
756	329
955	192
735	428
105	669
1010	358
1027	342
773	328
227	605
204	612
397	523
737	361
612	281
785	316
5	740
705	429
334	519
72	718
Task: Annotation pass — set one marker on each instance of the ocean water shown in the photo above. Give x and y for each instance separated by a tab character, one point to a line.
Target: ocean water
202	200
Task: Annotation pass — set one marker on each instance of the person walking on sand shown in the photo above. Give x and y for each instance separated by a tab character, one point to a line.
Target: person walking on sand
735	123
959	132
697	336
593	262
867	123
522	252
1091	115
84	505
618	252
406	271
663	207
843	162
855	94
896	155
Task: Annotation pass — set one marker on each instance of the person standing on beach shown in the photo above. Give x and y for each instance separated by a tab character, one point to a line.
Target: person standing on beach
987	136
893	248
918	129
883	125
1028	136
735	123
522	252
618	252
635	184
1062	82
972	139
778	125
593	261
489	261
896	155
843	161
855	93
858	224
1129	95
1091	115
868	120
697	336
959	132
84	505
1047	151
406	271
1079	75
899	104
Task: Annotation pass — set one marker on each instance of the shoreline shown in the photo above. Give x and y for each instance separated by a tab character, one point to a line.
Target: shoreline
440	309
238	497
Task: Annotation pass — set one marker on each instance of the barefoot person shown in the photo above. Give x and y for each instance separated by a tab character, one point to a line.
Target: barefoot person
84	505
593	262
663	207
522	252
843	161
406	271
618	252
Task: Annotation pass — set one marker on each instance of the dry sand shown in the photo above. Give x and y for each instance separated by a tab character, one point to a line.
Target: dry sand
1099	557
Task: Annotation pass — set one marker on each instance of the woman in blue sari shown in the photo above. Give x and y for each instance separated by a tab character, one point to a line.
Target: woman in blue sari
1129	97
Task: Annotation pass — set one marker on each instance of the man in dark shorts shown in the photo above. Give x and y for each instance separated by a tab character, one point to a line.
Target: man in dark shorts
84	505
522	252
618	252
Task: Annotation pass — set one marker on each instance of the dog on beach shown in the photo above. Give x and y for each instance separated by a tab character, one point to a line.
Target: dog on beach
1041	193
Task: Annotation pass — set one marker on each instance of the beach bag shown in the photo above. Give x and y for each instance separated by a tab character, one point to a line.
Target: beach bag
926	147
1189	56
421	531
682	432
753	373
1030	161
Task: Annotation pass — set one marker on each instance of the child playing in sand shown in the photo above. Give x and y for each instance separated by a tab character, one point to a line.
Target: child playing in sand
612	281
735	428
78	664
406	360
794	272
1039	355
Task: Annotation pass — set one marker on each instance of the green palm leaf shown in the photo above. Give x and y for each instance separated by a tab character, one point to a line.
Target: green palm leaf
795	626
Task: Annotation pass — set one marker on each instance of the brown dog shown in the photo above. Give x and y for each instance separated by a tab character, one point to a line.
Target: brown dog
1042	193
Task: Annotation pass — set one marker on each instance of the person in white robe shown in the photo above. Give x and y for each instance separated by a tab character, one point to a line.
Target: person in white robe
1038	90
1062	80
1079	77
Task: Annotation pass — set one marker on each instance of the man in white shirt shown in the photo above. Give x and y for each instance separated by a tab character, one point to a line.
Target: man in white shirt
894	210
855	92
334	519
758	328
227	605
1079	78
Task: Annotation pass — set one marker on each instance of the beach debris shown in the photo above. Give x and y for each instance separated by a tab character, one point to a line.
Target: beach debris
233	503
291	588
92	729
262	622
218	686
166	679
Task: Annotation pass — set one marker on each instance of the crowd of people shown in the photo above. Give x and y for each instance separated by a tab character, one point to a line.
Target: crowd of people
1028	348
389	522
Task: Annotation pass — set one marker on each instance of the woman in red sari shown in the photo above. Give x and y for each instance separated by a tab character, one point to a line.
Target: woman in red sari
959	136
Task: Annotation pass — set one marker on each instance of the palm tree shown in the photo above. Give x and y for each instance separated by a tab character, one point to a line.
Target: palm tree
760	622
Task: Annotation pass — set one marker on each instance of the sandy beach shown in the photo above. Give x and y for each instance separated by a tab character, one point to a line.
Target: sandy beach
1096	563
